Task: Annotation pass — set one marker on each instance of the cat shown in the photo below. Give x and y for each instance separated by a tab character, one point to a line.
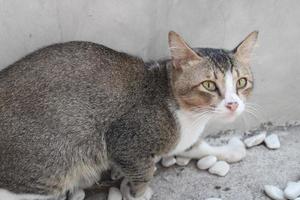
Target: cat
72	110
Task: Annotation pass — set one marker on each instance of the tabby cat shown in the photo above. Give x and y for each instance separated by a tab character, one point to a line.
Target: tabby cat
70	111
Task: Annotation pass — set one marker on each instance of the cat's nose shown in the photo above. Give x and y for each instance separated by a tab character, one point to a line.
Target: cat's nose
232	106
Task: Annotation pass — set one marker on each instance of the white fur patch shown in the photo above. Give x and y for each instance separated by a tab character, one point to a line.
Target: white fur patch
230	91
230	96
229	86
191	127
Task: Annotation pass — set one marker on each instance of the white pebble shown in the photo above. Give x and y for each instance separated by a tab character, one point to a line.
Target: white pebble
213	199
182	161
220	168
114	194
255	140
297	198
274	192
272	141
206	162
168	161
292	191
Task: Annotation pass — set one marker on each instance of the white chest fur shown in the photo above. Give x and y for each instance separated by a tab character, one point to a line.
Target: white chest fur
191	128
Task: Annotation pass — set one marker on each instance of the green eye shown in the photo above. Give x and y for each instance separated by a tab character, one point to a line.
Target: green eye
209	85
241	83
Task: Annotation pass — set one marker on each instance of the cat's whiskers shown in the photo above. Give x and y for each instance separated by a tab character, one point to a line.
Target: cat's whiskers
245	122
253	113
248	108
200	115
208	112
254	106
198	121
203	116
200	110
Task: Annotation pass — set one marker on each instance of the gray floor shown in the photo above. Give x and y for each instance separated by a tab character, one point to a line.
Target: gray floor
244	181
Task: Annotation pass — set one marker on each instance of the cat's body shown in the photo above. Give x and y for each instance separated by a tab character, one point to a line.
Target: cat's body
71	110
57	106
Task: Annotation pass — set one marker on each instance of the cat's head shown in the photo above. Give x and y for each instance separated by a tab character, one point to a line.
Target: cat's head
212	81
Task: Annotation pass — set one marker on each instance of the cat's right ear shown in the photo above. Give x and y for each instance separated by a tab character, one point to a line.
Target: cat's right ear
181	53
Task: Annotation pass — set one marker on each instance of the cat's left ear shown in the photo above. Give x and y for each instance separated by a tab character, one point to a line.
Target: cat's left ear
244	50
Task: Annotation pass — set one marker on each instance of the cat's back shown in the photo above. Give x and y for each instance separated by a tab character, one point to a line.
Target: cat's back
71	77
82	70
63	62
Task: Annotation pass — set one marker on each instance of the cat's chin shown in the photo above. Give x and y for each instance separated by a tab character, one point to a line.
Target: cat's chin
228	117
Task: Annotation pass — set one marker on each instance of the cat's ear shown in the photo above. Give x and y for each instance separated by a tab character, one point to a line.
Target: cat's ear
181	53
244	50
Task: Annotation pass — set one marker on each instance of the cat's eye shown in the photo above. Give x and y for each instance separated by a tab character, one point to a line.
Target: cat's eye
209	85
241	83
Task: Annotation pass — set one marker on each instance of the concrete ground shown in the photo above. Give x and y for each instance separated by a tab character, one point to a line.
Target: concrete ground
245	179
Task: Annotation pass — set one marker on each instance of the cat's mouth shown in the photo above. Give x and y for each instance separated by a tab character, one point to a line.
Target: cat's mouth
229	112
229	116
232	116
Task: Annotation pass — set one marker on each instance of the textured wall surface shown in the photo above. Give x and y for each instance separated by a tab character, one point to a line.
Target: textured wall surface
140	27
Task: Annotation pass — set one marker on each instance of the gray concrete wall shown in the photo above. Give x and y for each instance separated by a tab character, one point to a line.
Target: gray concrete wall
140	27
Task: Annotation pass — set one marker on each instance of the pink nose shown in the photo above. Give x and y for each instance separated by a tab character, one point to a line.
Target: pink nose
232	106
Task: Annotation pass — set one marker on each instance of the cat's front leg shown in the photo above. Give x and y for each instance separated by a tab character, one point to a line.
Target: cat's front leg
128	194
234	151
137	175
77	195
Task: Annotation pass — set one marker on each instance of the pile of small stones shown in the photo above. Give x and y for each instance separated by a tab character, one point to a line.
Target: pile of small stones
171	160
271	141
210	163
291	192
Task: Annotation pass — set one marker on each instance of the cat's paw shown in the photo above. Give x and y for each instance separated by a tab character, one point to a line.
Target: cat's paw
77	195
125	190
235	151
